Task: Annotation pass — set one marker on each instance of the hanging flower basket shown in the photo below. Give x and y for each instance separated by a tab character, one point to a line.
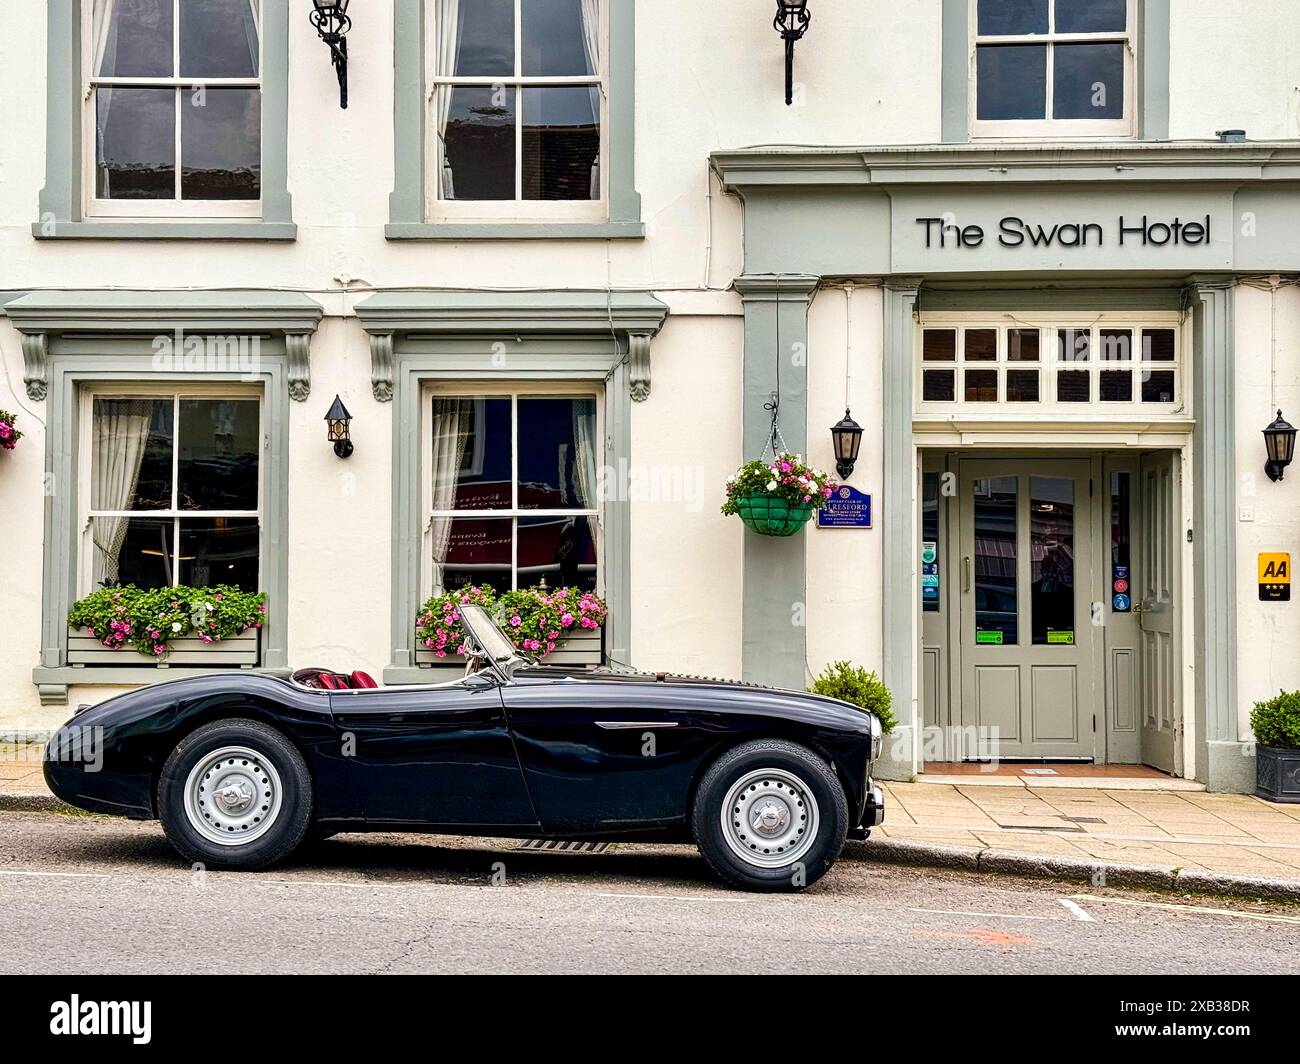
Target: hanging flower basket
9	436
777	498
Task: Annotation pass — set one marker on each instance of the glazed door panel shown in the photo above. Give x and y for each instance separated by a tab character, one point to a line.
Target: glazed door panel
1155	604
1026	631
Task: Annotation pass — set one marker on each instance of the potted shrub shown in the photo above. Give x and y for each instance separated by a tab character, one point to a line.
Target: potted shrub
850	683
779	497
9	436
129	625
1276	724
562	625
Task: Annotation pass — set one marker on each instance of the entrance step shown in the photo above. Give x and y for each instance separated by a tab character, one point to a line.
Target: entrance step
1047	776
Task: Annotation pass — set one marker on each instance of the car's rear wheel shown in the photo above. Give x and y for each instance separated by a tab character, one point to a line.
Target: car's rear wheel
770	815
235	794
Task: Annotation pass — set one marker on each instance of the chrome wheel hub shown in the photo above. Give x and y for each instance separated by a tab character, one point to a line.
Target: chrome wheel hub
770	818
233	796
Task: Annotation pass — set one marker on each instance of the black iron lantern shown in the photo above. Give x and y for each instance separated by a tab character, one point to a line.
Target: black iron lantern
332	24
1279	441
340	432
847	437
792	18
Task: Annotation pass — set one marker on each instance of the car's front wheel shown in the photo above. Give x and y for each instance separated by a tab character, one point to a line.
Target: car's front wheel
770	815
235	794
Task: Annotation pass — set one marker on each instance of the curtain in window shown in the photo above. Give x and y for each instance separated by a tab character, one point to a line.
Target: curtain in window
451	425
448	16
584	459
253	29
105	57
121	430
591	45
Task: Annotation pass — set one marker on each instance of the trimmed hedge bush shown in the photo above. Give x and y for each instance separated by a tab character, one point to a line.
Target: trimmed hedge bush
849	683
1277	721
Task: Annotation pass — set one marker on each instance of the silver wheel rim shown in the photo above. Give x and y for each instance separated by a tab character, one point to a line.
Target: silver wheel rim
770	818
233	796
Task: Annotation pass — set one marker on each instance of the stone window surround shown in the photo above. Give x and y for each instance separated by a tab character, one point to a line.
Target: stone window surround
71	339
419	338
62	214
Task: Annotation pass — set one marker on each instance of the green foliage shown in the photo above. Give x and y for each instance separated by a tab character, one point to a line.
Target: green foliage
148	620
1277	721
850	683
534	620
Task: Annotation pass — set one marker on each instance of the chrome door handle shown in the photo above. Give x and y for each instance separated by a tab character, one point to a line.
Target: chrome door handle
965	574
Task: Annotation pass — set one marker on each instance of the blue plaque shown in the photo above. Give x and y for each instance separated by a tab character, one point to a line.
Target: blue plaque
847	508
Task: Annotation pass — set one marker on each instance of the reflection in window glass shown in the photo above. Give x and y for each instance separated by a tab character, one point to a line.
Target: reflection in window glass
1116	386
557	454
135	144
484	35
938	386
561	550
216	463
981	345
1022	386
221	146
558	40
981	385
1120	532
1073	345
1158	345
479	144
1051	546
1158	386
1022	345
1000	18
473	551
1116	345
930	534
1091	16
939	345
1073	386
218	39
561	143
995	561
1089	80
1011	81
220	550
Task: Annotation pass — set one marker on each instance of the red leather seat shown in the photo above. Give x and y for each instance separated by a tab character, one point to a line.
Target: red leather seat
328	681
363	681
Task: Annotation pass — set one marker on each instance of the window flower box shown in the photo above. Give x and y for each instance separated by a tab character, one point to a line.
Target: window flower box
582	650
236	651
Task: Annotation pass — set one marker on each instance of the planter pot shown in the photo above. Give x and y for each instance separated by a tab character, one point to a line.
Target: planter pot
240	651
1277	774
771	516
585	649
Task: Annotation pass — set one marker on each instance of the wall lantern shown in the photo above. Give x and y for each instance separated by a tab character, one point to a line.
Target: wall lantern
847	437
340	432
332	23
792	18
1279	440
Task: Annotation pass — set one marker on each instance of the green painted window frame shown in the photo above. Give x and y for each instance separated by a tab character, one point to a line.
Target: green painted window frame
1152	103
408	219
62	215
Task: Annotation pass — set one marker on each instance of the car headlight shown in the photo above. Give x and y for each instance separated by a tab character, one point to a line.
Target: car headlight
877	737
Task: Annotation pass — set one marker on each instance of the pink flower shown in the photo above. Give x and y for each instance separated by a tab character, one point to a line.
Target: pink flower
4	431
261	609
566	620
516	621
159	649
218	598
786	467
807	498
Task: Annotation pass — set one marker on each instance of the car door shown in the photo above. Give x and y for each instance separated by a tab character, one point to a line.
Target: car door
434	755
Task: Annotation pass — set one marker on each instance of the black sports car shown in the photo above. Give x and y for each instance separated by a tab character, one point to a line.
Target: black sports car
241	768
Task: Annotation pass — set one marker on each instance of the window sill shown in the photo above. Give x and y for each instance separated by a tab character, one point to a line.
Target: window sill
54	681
231	229
623	230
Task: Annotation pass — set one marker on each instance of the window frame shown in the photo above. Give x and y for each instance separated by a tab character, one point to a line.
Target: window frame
1049	128
91	391
555	389
517	209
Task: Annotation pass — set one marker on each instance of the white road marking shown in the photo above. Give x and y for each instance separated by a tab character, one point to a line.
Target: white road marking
1076	910
1172	907
991	916
57	875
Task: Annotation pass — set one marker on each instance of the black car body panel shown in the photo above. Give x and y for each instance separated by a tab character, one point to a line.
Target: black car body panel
542	752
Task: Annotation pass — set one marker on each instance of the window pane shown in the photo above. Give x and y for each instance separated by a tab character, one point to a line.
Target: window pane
135	143
221	145
1116	345
137	43
930	535
479	144
131	455
1089	81
938	386
133	550
1002	17
1022	386
471	454
1022	345
220	550
561	144
484	36
1051	545
558	454
1158	386
981	385
1116	386
1158	345
1073	386
560	549
939	345
1011	81
1090	16
1121	573
995	559
1073	345
473	550
218	39
217	461
560	37
981	345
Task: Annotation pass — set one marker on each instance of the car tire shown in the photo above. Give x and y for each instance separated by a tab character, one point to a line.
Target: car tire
786	816
235	795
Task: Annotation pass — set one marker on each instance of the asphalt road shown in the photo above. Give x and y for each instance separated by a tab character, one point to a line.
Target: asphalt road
92	895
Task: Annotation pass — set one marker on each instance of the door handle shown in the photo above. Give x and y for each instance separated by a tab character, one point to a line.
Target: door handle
965	573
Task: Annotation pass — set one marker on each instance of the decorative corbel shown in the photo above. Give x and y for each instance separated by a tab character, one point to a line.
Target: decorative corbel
381	366
638	365
298	349
36	364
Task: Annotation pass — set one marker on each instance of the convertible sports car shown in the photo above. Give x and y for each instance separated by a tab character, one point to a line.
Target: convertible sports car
240	769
